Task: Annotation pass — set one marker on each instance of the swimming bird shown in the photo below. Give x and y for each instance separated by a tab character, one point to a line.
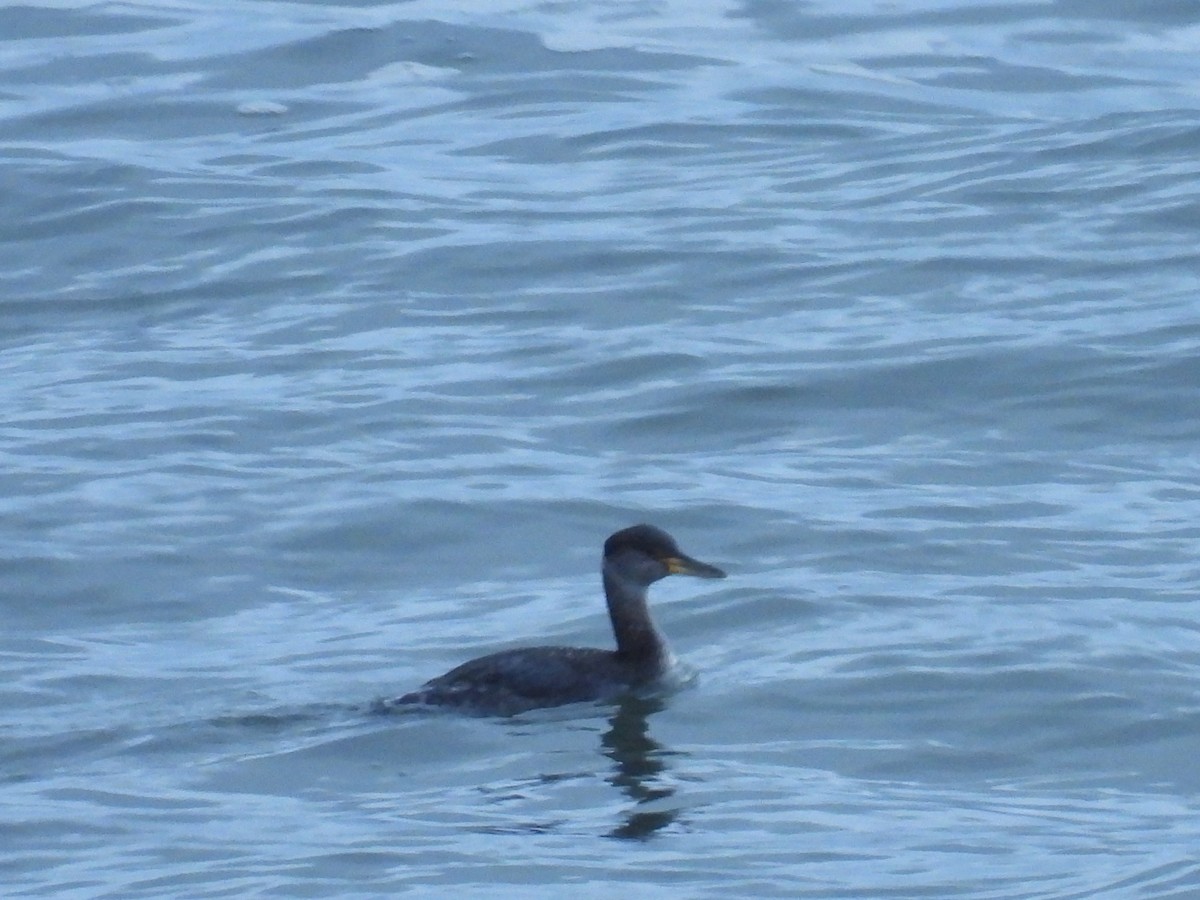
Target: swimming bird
513	681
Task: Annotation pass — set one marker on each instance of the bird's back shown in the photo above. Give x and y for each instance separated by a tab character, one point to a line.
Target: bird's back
516	680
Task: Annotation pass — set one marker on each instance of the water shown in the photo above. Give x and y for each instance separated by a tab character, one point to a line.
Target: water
337	338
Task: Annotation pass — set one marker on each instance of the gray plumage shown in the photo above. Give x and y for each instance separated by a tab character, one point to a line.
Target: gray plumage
512	681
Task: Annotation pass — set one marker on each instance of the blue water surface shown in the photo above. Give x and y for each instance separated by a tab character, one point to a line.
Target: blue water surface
335	339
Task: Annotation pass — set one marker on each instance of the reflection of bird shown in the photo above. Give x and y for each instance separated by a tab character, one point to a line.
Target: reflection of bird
640	762
514	680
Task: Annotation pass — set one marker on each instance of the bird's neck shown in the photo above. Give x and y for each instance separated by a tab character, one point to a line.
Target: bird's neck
638	640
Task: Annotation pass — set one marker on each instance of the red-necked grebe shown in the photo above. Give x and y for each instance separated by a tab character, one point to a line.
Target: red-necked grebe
516	680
